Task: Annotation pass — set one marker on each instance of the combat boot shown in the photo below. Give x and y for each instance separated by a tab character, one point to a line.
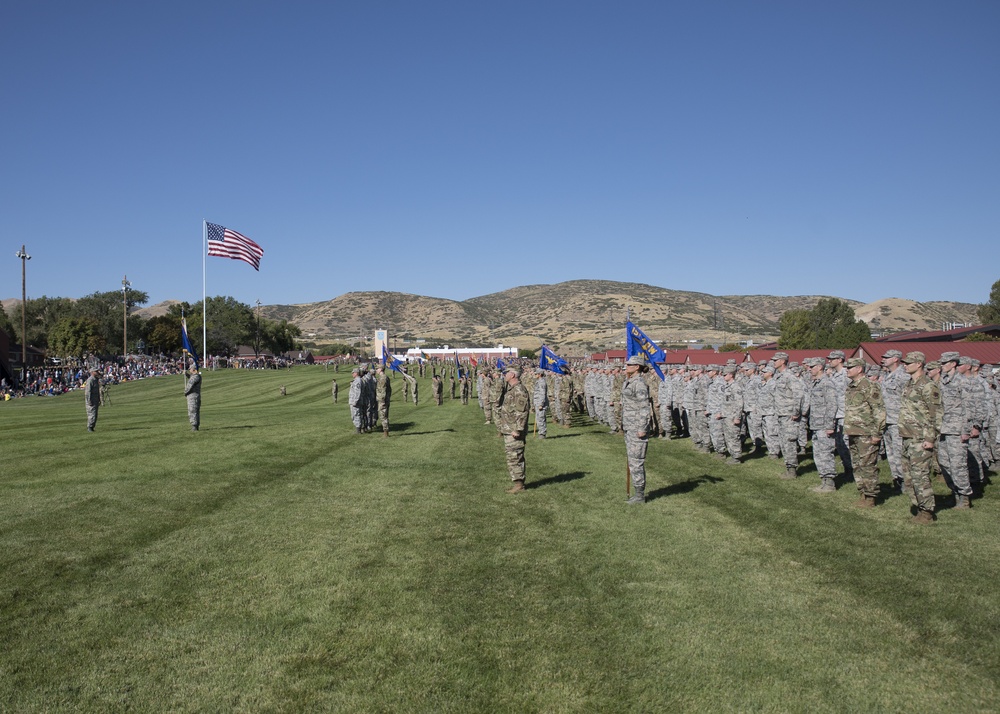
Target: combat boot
638	497
790	473
357	430
517	487
385	433
865	502
923	518
733	460
826	486
962	502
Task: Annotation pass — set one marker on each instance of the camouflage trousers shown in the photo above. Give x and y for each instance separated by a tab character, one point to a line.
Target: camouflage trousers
977	471
635	450
803	436
591	408
717	433
734	444
556	406
788	440
893	451
565	408
514	451
917	474
383	415
665	418
92	416
698	423
769	430
864	456
953	455
540	424
843	451
194	411
356	417
616	416
755	426
600	410
823	450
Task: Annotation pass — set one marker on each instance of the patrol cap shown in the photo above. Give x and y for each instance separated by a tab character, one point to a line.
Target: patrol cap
767	369
973	362
835	354
964	360
893	353
762	363
512	369
933	365
729	369
713	368
915	356
950	357
855	362
637	360
781	355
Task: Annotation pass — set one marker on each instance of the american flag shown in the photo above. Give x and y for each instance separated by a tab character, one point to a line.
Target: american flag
227	243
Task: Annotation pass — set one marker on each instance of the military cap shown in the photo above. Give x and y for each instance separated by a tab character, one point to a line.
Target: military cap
512	368
855	362
781	355
730	361
835	354
964	360
767	369
893	353
974	362
729	369
915	356
762	363
713	368
872	370
950	357
638	360
933	365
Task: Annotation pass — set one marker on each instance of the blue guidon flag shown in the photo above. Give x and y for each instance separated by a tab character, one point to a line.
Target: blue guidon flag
551	361
187	342
638	342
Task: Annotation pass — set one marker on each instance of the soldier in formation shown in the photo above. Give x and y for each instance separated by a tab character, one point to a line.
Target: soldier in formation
864	425
92	397
637	423
192	390
383	396
512	417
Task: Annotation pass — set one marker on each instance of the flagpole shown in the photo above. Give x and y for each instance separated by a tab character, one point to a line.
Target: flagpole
204	288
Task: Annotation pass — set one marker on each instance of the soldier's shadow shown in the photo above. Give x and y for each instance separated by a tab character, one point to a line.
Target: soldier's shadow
561	436
558	478
676	489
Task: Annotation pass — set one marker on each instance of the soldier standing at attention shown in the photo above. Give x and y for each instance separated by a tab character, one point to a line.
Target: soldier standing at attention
864	422
838	375
919	425
437	389
513	421
823	422
541	402
893	380
956	428
452	383
383	394
463	388
354	399
637	421
192	390
788	412
335	390
92	397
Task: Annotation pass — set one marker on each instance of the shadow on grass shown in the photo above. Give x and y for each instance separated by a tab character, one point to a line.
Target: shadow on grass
421	433
561	436
559	478
676	489
239	426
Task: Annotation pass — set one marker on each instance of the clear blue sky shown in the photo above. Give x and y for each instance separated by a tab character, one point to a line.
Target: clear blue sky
459	148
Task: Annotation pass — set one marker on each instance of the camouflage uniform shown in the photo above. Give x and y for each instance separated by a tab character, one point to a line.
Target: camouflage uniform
956	425
354	401
637	421
768	417
383	395
541	402
892	385
864	422
919	422
463	389
713	411
92	399
823	423
565	398
497	388
615	401
732	412
335	390
512	416
192	390
788	410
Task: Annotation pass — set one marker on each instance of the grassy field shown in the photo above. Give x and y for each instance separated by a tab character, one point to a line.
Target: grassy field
276	561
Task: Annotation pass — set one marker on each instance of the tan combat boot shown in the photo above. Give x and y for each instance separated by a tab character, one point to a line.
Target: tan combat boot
517	487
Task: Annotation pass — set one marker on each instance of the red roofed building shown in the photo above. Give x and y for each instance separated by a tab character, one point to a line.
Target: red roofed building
943	335
703	357
985	352
609	356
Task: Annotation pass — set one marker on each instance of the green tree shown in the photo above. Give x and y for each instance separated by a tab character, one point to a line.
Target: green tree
76	337
796	330
278	336
831	324
231	323
163	333
5	324
41	315
107	309
989	311
731	347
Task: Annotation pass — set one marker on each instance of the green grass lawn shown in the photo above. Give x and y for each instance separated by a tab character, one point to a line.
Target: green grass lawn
276	561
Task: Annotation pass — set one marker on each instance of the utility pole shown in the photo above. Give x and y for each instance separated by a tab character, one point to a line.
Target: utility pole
125	286
24	320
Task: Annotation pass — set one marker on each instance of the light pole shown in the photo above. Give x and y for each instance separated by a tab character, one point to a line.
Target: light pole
125	286
24	319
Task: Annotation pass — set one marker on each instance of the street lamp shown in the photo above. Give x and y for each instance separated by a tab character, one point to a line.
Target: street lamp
24	319
256	344
125	286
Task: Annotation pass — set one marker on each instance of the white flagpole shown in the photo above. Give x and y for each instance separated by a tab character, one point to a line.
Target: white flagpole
204	290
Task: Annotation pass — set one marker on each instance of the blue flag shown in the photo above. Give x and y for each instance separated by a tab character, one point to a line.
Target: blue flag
551	361
458	367
394	364
500	364
638	342
186	342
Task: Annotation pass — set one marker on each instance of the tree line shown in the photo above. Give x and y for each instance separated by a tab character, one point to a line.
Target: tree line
96	325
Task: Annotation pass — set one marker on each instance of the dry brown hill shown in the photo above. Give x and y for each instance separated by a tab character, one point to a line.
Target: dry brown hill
585	314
